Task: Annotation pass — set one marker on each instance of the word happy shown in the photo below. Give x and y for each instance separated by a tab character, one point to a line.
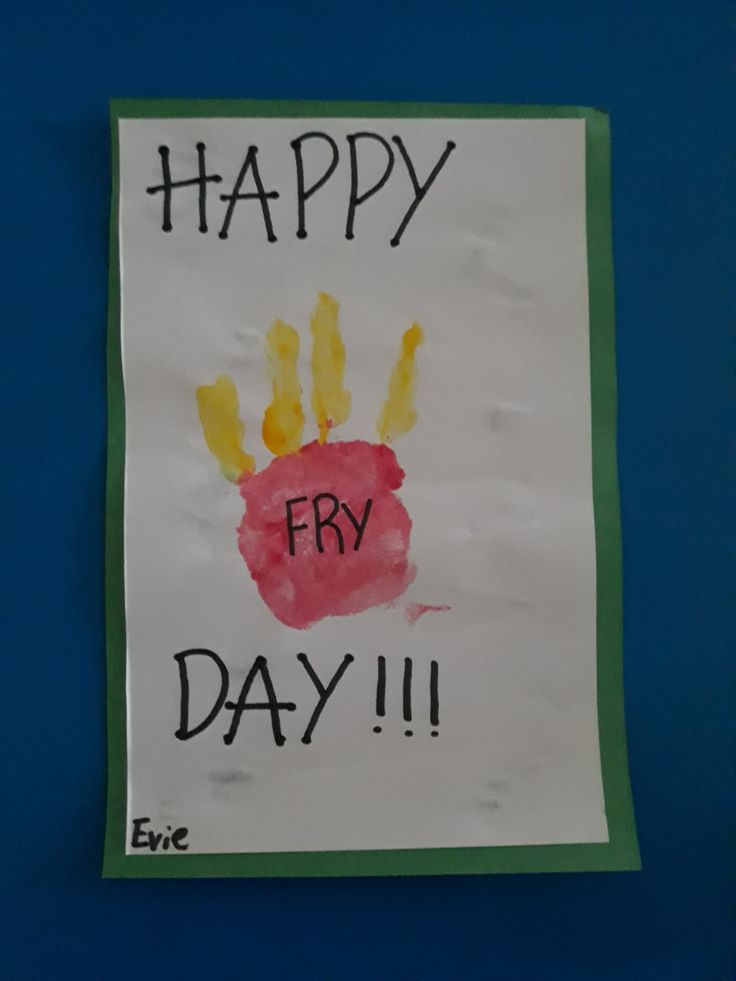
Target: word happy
249	185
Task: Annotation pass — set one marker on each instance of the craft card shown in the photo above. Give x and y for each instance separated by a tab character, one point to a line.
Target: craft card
363	555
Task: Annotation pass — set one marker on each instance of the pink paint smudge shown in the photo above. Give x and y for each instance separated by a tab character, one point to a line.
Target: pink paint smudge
416	610
305	587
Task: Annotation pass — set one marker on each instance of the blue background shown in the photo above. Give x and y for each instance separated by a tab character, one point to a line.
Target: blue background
665	72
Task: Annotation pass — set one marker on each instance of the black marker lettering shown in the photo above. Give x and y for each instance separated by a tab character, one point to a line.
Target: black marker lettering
358	525
202	180
380	691
302	194
434	699
250	163
420	190
139	838
184	732
406	693
320	522
355	198
291	528
323	692
273	706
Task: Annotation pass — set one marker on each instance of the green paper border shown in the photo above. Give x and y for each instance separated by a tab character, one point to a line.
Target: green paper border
621	852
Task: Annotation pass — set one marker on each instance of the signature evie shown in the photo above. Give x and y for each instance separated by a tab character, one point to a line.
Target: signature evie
155	841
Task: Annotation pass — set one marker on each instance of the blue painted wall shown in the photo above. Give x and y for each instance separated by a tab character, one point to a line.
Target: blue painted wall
665	72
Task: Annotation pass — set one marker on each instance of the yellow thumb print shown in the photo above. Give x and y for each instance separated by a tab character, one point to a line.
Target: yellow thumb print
223	430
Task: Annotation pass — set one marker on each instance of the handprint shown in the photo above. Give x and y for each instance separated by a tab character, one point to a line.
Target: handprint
324	533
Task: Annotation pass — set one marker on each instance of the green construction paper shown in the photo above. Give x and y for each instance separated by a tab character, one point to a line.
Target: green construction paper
621	851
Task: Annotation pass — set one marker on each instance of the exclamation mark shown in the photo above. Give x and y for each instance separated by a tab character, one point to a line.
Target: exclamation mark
407	694
381	691
434	696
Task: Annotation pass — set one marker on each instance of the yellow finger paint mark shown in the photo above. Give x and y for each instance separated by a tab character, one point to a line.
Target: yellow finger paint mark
283	420
331	402
398	414
219	414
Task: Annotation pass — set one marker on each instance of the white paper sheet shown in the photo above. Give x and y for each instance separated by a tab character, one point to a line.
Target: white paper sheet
498	487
